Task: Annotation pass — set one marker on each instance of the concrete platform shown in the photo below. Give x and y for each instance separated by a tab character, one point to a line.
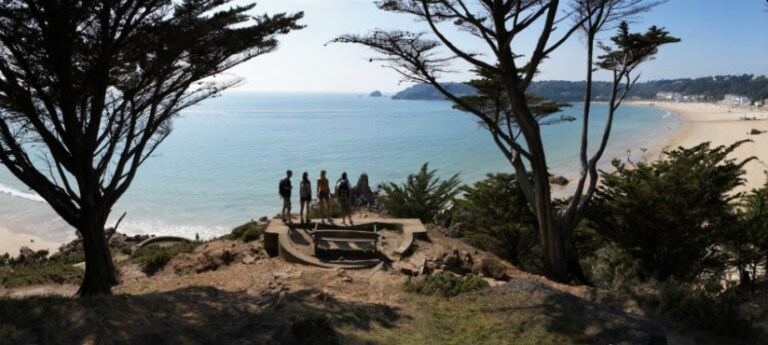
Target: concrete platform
277	241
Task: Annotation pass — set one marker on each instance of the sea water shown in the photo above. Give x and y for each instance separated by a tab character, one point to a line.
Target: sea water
221	165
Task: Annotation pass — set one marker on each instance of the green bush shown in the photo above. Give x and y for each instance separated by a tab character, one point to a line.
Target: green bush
248	232
494	216
747	243
612	268
20	275
316	213
706	308
153	258
446	284
422	196
671	214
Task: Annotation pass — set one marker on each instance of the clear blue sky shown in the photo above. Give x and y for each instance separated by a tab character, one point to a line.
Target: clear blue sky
718	37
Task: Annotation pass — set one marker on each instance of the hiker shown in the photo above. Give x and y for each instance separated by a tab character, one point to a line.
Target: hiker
305	197
285	193
324	196
343	194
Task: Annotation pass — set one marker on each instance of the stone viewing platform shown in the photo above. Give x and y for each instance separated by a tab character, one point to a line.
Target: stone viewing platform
351	246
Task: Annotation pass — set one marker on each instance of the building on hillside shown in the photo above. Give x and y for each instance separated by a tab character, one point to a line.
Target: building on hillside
669	96
736	100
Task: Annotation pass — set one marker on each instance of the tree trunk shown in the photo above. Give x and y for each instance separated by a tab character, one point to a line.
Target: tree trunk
100	274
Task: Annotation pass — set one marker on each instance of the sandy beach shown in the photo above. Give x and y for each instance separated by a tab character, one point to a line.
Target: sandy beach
30	223
720	125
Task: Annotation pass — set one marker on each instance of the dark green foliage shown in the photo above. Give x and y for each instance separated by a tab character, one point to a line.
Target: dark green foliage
248	232
70	259
705	308
669	214
446	284
423	196
51	273
747	243
4	259
493	215
612	268
153	258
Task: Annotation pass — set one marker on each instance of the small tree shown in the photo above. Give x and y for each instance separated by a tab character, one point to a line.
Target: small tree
748	241
672	215
514	123
493	215
88	90
422	196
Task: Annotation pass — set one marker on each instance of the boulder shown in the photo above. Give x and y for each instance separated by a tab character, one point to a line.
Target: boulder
491	267
755	131
558	180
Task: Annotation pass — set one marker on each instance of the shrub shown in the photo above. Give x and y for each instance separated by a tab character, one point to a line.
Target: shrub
748	242
19	276
706	308
612	268
671	214
422	196
446	284
315	212
494	216
153	258
248	232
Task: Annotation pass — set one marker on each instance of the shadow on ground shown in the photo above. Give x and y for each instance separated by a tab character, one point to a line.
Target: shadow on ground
193	315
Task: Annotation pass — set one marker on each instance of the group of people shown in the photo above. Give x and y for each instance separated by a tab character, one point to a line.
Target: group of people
343	193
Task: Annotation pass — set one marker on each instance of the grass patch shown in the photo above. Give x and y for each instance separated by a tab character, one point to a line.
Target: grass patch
446	284
18	276
248	232
153	258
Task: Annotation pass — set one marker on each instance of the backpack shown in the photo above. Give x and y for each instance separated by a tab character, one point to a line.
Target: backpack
342	188
283	188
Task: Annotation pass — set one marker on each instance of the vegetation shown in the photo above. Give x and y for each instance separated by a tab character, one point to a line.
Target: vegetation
446	284
422	196
509	113
494	216
671	233
90	88
153	258
248	232
53	273
706	307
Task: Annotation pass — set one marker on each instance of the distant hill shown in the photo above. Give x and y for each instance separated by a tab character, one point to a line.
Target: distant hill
428	92
714	88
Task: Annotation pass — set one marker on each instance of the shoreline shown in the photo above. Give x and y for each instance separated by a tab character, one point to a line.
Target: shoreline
719	125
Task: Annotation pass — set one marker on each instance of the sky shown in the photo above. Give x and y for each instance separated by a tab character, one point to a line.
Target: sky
719	37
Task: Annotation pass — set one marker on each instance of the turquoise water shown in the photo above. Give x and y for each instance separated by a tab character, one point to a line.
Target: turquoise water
221	165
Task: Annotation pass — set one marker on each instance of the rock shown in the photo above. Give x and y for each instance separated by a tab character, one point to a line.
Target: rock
491	267
376	93
264	219
25	253
205	259
755	131
558	180
406	268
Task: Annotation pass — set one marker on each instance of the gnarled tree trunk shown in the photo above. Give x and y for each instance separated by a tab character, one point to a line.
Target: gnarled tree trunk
100	275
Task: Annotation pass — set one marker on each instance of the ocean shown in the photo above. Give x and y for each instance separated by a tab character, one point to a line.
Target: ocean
221	165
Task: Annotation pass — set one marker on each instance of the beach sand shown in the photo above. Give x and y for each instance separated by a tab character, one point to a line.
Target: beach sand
720	125
12	242
30	223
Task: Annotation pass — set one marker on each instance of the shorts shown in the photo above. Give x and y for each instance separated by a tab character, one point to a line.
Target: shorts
287	203
307	199
324	196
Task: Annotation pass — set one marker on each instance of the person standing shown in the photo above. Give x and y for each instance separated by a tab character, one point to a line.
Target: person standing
305	197
285	193
324	196
343	193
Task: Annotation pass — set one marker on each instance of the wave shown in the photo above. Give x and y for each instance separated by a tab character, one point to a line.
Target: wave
32	196
160	228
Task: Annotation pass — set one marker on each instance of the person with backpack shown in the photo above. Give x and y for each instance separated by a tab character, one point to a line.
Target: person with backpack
324	196
285	193
305	197
343	193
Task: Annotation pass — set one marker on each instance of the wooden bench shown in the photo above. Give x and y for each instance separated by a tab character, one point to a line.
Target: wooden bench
345	236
